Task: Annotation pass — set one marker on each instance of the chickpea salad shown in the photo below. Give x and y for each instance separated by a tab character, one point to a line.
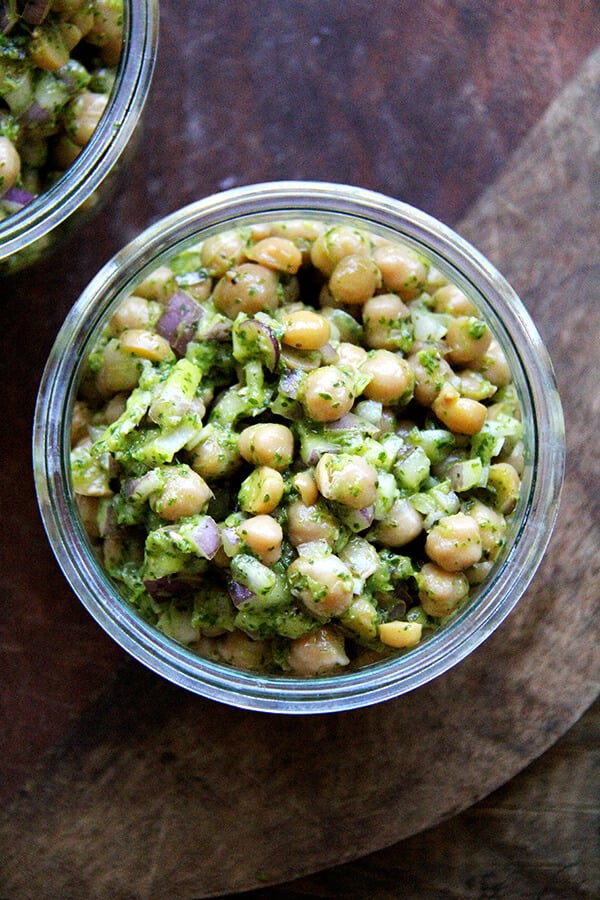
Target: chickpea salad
58	63
296	447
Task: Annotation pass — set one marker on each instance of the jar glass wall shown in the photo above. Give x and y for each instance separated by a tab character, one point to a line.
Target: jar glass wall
33	231
530	524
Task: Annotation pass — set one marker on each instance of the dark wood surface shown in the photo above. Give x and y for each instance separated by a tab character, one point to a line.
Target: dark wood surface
116	784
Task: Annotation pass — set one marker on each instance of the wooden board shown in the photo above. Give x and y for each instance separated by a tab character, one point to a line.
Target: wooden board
155	792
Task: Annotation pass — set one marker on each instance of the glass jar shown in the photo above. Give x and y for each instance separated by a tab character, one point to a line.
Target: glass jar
30	233
530	525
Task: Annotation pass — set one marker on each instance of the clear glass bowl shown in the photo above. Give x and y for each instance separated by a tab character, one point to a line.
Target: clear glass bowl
531	523
33	231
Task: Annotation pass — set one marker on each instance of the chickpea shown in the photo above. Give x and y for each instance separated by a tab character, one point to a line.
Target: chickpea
88	507
478	572
401	270
400	634
324	584
450	299
120	370
474	386
268	444
247	288
468	338
145	344
402	525
277	253
382	317
328	394
80	422
392	378
493	364
83	114
305	484
441	592
362	618
346	479
239	650
350	356
114	408
177	624
311	523
335	243
454	542
222	252
107	30
306	330
216	455
354	280
459	414
10	165
431	373
263	535
184	493
158	285
261	491
504	481
492	528
133	312
302	232
82	17
64	152
318	652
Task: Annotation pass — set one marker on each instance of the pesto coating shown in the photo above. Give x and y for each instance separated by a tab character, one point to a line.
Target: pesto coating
290	471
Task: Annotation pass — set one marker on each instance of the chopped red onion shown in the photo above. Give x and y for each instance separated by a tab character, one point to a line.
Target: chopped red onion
108	525
352	422
142	487
168	585
219	331
290	382
329	355
179	320
231	540
35	114
35	11
207	537
258	335
239	593
17	198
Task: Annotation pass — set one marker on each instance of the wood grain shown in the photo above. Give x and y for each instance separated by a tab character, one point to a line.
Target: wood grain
536	836
151	792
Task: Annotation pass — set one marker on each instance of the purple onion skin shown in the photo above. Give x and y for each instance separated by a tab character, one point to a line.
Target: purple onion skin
35	114
168	586
290	383
18	195
35	11
239	593
207	538
267	343
179	320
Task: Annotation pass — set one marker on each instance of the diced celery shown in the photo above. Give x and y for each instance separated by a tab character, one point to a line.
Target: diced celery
412	470
155	446
172	398
436	442
467	474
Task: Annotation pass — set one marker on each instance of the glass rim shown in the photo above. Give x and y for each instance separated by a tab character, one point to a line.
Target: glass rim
108	142
382	680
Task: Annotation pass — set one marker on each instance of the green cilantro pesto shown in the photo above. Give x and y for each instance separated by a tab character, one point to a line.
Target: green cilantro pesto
290	467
